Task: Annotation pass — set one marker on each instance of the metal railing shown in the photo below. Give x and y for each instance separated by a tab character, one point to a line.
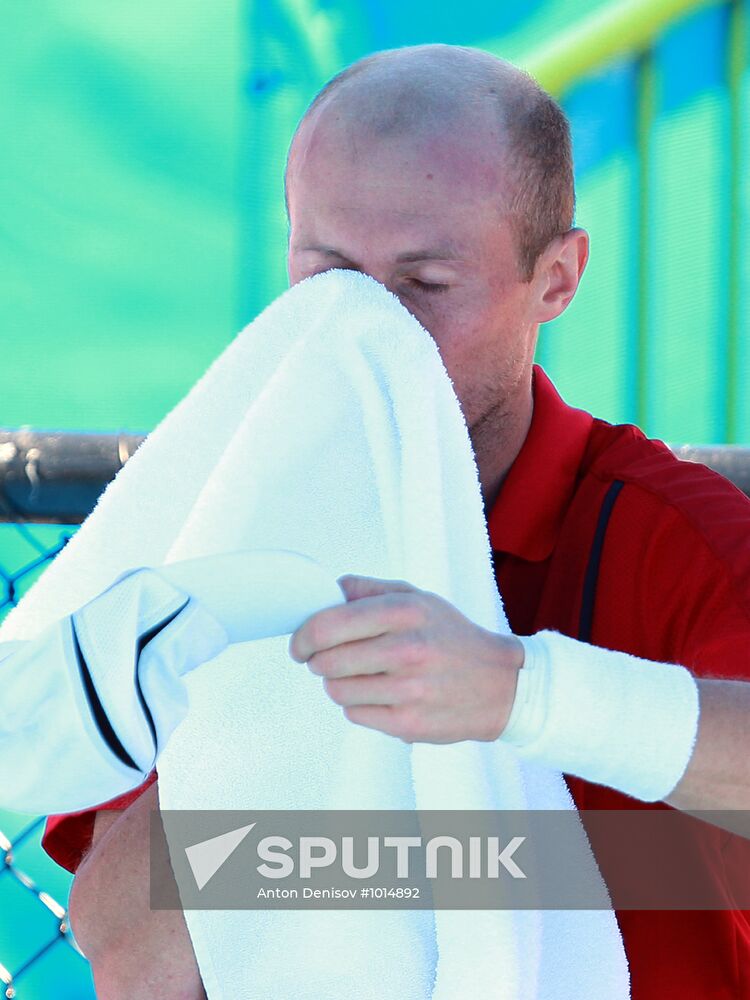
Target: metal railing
55	477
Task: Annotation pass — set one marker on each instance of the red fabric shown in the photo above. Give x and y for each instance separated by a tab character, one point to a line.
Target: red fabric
67	837
674	586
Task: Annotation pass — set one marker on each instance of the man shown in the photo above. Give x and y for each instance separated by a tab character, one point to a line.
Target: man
446	174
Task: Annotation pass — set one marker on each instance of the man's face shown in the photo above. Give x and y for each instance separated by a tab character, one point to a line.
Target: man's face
422	219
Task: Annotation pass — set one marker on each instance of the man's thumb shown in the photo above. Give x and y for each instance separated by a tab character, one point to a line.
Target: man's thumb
355	586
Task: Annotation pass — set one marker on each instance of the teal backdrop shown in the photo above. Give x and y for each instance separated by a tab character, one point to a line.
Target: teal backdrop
143	219
143	225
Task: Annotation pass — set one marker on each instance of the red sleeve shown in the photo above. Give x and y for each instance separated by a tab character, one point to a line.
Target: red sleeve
67	837
675	587
675	577
712	611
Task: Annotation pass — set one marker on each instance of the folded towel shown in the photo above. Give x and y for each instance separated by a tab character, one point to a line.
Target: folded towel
90	702
329	426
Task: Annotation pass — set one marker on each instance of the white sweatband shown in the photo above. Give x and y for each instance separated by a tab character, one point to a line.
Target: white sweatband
607	716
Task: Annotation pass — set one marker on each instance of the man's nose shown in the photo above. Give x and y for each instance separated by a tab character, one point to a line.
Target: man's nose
385	277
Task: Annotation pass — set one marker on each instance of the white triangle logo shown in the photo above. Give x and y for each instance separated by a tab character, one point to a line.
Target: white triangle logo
207	857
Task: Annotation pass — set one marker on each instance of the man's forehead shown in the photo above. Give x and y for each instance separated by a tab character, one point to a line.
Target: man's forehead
412	177
334	136
418	212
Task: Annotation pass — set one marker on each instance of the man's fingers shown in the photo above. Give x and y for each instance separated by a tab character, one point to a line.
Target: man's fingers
355	587
384	653
378	689
360	619
384	718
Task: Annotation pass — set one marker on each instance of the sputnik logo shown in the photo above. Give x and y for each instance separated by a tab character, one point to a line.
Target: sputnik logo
207	856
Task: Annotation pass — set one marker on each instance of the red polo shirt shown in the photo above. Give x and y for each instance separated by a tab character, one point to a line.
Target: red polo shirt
673	586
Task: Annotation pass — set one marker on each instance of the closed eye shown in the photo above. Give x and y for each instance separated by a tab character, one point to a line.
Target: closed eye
422	286
428	286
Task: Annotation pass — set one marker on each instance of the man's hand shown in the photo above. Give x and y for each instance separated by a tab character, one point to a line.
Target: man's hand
407	662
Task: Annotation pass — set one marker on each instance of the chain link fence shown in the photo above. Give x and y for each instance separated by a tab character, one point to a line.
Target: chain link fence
49	483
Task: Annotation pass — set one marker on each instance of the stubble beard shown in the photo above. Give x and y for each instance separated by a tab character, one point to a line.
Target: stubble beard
495	426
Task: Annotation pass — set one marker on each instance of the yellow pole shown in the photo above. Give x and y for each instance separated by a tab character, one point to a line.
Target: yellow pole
619	29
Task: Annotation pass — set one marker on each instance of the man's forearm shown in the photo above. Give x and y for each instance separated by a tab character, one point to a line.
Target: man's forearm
652	730
134	951
718	773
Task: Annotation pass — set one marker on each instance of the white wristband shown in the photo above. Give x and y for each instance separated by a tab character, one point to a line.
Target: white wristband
604	715
529	710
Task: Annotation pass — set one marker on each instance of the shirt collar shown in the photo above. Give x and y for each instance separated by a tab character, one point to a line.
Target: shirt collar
526	516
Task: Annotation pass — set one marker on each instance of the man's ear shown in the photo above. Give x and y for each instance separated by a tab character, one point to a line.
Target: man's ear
559	270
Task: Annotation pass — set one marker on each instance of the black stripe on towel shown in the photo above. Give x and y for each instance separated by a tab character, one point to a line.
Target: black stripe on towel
106	730
143	641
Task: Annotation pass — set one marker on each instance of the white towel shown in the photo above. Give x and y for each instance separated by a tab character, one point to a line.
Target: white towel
329	426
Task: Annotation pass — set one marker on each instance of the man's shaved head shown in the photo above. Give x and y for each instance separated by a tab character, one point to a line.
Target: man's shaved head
445	174
422	93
